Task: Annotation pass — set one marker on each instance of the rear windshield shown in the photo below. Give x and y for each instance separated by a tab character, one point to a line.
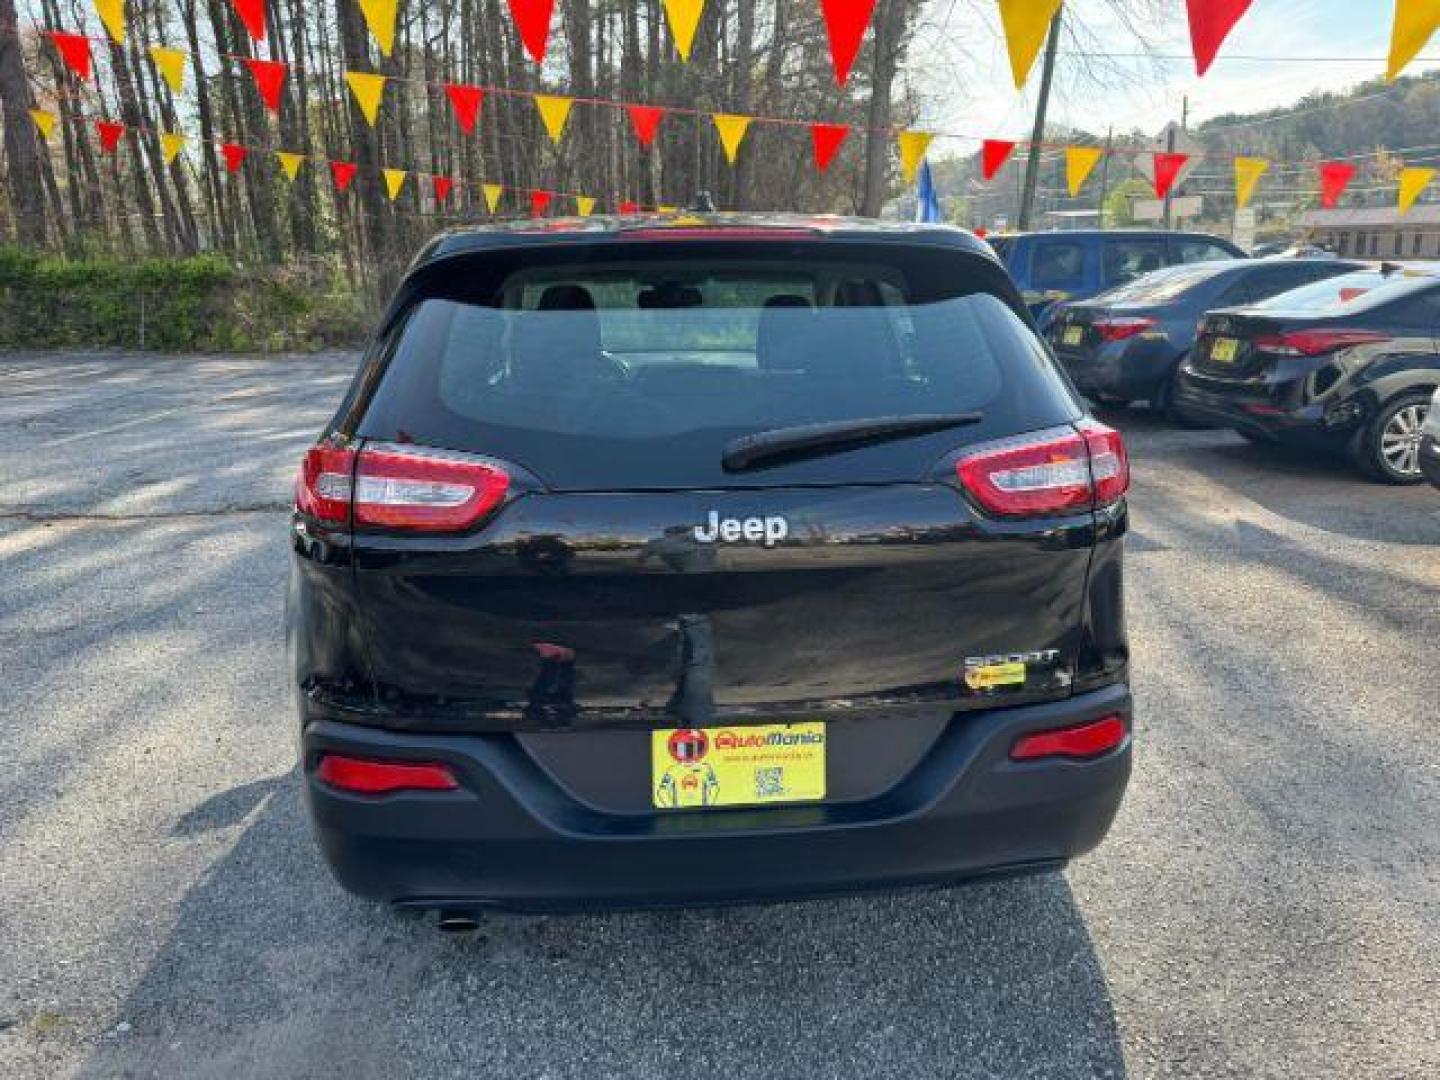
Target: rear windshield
1358	291
635	372
1163	285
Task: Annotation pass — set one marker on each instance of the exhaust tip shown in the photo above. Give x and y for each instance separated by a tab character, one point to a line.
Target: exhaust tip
458	922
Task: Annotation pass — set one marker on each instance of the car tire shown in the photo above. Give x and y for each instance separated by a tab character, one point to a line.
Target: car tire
1164	404
1389	448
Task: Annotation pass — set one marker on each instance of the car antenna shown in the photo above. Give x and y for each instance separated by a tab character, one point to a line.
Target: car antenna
704	203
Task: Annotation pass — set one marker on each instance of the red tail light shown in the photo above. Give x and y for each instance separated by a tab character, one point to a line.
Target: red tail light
1083	741
1062	474
399	487
1119	328
323	487
1317	342
402	487
380	777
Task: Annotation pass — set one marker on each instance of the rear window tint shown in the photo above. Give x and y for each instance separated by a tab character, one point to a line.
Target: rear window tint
609	373
1162	285
1356	291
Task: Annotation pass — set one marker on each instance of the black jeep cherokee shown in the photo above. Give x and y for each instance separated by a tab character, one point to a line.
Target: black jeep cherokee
693	560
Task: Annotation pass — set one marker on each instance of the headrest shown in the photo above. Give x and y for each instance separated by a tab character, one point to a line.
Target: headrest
782	335
566	298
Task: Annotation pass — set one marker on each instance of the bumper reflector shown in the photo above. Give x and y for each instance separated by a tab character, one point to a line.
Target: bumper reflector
379	777
1085	741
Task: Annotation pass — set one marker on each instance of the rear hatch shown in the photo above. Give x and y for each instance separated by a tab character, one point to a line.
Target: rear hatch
642	564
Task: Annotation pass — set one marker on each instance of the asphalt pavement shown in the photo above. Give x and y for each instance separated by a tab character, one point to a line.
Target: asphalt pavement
1268	904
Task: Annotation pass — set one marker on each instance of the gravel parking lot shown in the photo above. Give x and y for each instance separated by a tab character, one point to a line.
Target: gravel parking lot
1268	904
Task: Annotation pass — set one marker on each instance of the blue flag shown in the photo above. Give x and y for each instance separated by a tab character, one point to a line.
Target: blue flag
927	201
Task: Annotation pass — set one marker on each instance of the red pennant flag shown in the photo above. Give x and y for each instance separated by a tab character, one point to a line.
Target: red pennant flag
110	133
74	49
1210	24
826	140
443	184
845	23
252	14
1167	170
628	207
540	202
1335	177
269	80
532	19
343	172
465	100
234	156
993	156
645	119
982	232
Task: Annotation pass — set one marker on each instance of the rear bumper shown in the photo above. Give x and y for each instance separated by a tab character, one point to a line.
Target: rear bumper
1129	369
1264	410
513	838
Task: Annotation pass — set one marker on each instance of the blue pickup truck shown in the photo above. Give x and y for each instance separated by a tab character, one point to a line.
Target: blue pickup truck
1053	267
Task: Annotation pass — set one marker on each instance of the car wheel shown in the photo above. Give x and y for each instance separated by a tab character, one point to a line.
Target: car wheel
1164	404
1389	449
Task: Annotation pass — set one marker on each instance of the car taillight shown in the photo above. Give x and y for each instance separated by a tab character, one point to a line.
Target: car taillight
1081	741
399	487
380	777
1061	474
1118	328
1316	342
1109	462
323	487
402	487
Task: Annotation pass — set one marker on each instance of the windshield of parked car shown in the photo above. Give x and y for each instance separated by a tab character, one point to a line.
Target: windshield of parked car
1365	288
1163	285
641	372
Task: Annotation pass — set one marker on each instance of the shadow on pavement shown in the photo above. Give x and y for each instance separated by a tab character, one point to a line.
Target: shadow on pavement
270	970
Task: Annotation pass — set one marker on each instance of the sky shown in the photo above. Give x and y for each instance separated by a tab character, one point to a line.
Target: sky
960	46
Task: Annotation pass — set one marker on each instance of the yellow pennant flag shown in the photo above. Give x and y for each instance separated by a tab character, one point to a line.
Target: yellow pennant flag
112	14
380	18
584	205
1026	24
1248	171
554	111
171	65
1412	183
683	17
44	120
290	163
394	181
668	209
1415	21
368	89
492	195
171	143
913	147
732	133
1080	162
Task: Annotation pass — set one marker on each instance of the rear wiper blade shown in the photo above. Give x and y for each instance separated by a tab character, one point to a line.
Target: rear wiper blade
814	440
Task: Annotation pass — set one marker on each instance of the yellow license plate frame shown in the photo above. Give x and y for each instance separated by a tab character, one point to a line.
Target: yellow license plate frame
1225	350
755	765
1074	335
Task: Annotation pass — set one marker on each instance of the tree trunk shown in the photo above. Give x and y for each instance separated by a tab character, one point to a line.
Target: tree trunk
22	155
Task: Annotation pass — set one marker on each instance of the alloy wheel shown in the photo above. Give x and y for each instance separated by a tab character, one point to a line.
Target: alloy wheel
1400	440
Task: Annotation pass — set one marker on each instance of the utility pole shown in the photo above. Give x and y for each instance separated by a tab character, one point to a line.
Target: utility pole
1105	172
1170	149
1032	165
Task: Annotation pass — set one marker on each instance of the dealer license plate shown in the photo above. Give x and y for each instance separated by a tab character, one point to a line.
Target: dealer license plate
737	766
1074	335
1224	350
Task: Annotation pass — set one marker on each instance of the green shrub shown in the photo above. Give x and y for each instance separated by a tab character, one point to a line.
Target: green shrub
204	303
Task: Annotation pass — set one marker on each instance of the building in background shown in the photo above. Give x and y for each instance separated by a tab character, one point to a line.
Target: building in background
1375	233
